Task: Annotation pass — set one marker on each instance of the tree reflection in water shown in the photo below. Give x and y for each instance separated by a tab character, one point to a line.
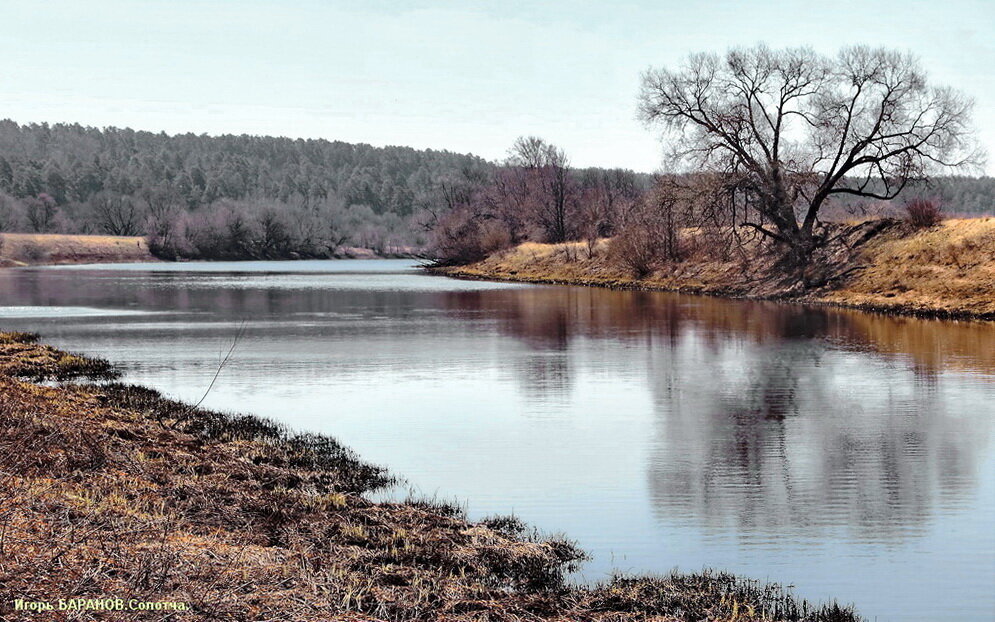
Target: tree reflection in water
771	419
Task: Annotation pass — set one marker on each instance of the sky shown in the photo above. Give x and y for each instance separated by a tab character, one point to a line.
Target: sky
463	76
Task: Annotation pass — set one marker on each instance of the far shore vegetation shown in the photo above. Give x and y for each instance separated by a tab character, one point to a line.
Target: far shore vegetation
793	175
783	143
38	249
943	271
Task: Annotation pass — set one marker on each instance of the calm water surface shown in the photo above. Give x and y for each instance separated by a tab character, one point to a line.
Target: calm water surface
847	454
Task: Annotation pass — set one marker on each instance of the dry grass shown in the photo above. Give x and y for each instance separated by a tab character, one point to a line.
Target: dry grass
577	263
947	270
22	357
113	490
21	249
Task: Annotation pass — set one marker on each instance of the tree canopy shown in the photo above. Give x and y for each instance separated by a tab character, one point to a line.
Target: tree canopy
788	129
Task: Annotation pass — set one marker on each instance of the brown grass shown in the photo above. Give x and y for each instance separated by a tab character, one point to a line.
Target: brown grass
23	249
947	270
22	357
574	263
112	490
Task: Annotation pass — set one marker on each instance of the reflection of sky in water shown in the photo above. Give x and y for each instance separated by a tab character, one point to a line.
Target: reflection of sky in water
62	312
344	275
846	453
340	266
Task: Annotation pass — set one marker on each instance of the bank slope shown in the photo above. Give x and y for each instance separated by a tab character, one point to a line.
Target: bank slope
944	271
26	249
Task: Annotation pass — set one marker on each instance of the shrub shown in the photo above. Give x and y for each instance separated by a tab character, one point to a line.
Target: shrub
636	249
494	236
923	213
462	238
33	252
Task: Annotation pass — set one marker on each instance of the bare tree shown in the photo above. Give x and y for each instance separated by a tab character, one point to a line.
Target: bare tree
791	129
469	189
545	174
611	194
273	240
40	212
9	208
116	214
163	206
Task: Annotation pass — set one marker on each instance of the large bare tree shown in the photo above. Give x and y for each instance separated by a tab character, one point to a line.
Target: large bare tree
792	128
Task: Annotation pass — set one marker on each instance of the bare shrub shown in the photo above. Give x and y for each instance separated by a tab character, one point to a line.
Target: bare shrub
654	231
10	212
461	238
637	250
33	252
41	212
923	213
494	236
455	240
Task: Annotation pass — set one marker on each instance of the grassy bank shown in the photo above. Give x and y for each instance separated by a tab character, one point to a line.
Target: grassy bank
945	271
30	249
109	490
36	249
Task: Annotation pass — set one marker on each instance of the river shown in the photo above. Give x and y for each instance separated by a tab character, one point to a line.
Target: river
847	454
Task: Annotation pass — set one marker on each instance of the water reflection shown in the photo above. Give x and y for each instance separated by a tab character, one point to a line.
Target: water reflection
770	419
840	451
551	318
789	441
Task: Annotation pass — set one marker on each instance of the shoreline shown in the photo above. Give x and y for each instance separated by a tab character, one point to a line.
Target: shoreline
240	517
26	250
21	250
943	272
635	285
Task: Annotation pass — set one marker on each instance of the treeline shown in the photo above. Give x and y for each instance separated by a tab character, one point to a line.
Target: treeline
231	197
534	195
225	196
652	219
959	195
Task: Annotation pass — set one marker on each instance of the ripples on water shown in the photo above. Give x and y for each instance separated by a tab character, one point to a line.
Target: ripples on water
846	453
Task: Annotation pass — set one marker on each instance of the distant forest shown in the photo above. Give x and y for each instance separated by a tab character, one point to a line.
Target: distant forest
76	179
253	196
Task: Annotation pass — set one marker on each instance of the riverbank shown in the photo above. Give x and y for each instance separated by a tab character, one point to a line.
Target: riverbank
32	249
111	490
41	249
945	271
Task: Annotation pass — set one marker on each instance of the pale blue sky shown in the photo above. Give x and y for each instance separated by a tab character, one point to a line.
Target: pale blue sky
464	76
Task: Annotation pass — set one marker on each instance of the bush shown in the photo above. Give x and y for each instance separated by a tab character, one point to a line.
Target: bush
462	238
33	252
923	213
637	249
